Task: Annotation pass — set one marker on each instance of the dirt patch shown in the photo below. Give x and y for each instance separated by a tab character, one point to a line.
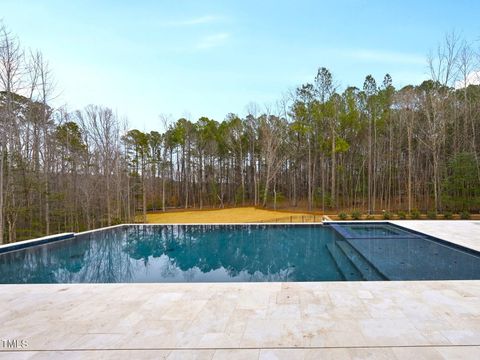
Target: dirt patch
235	215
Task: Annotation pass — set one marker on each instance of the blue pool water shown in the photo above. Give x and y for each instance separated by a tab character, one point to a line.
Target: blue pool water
222	253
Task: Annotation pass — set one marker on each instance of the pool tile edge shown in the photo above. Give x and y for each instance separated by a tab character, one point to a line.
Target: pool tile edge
33	242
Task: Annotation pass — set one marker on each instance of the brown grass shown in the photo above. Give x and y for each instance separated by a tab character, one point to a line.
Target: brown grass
234	215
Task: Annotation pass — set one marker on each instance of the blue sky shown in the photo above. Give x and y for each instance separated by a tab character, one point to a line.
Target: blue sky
209	58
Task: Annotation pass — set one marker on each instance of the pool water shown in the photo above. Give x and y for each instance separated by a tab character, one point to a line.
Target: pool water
242	253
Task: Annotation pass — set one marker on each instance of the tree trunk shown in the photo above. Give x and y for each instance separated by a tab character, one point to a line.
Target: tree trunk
1	193
409	172
333	170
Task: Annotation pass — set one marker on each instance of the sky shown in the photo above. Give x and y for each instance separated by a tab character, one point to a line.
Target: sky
210	58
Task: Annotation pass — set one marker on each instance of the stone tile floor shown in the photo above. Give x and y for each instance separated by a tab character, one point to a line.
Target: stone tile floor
462	232
330	320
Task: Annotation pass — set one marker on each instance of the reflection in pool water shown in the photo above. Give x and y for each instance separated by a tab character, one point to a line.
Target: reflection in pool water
215	253
175	253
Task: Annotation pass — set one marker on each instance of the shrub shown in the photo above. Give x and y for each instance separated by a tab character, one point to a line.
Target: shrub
387	215
465	215
356	215
448	215
342	216
432	215
402	215
415	214
117	221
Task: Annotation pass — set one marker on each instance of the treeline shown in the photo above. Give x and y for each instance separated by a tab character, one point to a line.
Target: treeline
371	148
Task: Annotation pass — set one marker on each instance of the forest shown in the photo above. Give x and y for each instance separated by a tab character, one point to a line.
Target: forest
320	148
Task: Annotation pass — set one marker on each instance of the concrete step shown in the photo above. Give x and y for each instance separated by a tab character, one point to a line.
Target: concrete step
344	265
368	271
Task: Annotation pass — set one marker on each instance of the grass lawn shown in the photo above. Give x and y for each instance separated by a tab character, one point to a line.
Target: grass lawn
235	215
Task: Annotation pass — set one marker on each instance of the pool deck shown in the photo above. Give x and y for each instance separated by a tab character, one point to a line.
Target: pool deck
312	320
461	232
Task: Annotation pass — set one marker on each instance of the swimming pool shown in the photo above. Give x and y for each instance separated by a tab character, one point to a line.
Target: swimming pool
240	253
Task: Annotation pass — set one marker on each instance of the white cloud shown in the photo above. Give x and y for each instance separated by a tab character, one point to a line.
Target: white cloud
212	41
472	79
207	19
381	56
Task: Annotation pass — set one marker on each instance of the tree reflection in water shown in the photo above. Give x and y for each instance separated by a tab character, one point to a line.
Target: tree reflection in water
178	253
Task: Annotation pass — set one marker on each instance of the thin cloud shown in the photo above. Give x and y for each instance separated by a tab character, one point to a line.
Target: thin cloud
408	77
473	78
381	56
208	19
212	41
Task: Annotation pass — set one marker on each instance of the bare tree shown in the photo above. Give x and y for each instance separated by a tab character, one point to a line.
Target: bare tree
11	63
443	64
466	66
101	127
272	130
442	68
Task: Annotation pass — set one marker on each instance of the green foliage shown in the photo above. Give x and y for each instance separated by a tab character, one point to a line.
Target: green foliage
280	198
341	145
461	188
271	196
370	85
155	143
356	215
402	215
138	142
70	136
415	214
448	215
116	221
317	198
465	215
214	193
343	216
432	215
324	84
387	215
239	195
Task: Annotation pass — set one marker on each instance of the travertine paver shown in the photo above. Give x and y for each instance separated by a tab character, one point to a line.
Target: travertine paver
437	319
417	353
462	232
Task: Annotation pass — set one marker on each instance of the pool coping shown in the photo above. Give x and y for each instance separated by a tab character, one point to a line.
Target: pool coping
34	242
